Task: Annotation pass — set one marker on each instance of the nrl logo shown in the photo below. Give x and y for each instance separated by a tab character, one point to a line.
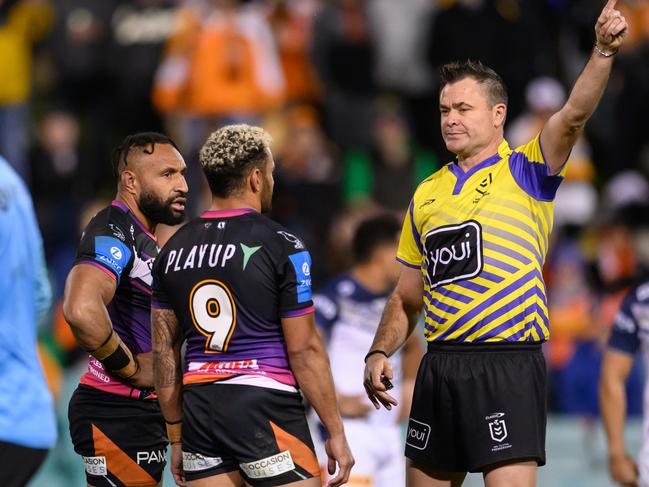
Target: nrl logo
497	427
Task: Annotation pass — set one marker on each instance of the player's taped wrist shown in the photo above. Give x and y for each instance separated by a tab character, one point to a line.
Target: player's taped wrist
374	352
116	357
174	431
605	53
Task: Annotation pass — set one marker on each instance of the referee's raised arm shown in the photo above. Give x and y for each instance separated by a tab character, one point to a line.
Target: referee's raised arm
564	127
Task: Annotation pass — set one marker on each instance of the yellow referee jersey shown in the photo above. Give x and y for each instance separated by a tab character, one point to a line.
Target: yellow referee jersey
480	239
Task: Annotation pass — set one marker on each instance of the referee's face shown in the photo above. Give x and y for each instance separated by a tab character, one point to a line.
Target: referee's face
469	123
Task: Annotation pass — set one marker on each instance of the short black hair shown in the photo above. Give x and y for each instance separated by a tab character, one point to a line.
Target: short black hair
373	233
142	140
493	83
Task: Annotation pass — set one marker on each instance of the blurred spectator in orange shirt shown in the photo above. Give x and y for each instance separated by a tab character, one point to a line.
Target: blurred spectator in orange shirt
292	23
222	62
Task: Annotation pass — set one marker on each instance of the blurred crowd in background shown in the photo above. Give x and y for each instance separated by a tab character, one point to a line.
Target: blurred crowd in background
348	90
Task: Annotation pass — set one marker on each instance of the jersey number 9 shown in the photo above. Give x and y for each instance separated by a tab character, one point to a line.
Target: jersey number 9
214	314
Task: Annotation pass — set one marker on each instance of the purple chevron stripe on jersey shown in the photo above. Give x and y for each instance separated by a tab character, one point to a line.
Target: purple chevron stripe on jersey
501	249
499	264
510	237
434	317
160	305
415	232
496	298
537	327
490	276
513	321
505	308
541	313
478	288
533	177
408	264
430	328
520	333
447	293
447	308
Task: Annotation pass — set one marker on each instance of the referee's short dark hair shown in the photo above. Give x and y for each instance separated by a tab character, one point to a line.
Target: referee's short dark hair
146	141
491	81
374	232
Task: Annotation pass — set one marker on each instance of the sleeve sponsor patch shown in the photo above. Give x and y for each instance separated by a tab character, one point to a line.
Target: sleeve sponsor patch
302	265
112	253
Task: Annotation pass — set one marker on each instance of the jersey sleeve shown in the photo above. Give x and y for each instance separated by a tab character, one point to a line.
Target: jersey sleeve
532	173
106	247
624	333
326	310
410	252
294	277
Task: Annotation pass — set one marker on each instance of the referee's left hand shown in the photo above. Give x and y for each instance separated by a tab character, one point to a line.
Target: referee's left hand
377	367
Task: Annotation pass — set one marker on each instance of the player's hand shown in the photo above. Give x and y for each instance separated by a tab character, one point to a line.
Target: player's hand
143	378
177	464
623	470
338	452
611	28
353	406
377	369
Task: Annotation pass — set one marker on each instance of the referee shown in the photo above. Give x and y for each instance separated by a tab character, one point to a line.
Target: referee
472	248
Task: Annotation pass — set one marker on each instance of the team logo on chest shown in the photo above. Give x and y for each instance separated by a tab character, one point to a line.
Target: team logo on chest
453	253
483	189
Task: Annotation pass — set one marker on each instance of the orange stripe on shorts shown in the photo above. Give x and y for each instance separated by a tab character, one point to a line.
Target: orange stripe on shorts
301	453
119	463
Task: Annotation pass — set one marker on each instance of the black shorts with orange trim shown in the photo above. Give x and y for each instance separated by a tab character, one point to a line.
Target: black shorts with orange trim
260	432
123	441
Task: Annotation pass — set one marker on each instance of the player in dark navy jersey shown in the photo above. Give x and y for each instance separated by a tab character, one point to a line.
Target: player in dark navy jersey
236	286
115	419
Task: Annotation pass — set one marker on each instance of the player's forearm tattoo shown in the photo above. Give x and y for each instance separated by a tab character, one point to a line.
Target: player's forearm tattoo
166	348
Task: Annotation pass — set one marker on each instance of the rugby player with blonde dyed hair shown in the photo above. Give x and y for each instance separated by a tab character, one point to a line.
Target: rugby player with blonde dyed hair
236	287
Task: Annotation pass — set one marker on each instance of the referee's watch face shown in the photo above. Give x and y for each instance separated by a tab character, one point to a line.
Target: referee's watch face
469	123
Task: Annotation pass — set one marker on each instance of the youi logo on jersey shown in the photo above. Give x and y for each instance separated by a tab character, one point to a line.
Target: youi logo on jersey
453	253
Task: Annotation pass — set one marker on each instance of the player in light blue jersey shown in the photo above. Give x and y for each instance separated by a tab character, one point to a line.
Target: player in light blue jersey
27	424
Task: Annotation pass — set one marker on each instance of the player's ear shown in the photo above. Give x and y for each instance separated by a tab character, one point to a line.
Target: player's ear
128	181
499	114
255	180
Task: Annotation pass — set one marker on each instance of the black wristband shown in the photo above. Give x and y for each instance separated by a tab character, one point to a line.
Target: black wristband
372	352
117	360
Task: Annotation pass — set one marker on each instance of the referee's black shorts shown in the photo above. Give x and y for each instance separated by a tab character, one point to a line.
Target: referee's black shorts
478	405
